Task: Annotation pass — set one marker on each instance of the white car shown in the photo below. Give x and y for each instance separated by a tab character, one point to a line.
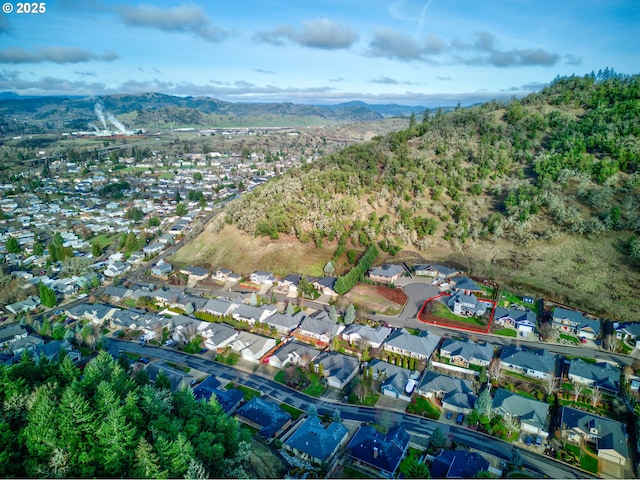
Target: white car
169	343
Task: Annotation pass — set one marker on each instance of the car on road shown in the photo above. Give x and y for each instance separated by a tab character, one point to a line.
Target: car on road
57	312
143	360
449	415
169	343
82	295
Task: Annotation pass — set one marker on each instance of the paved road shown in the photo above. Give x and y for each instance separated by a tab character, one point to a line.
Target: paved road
414	425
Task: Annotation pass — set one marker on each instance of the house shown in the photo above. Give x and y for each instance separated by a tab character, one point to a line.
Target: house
161	269
466	285
12	333
325	285
267	417
575	322
116	294
284	323
523	321
382	452
466	305
262	278
337	368
116	268
373	337
229	400
97	313
416	346
220	306
222	274
177	378
395	381
386	273
533	363
293	353
320	327
153	249
51	350
607	436
629	332
290	284
27	305
251	314
195	273
602	375
456	394
216	335
463	353
532	415
458	464
252	347
317	443
29	343
136	257
435	271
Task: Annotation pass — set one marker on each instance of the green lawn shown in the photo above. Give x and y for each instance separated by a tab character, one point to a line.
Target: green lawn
370	400
589	463
442	311
293	411
248	392
316	388
422	406
569	338
506	332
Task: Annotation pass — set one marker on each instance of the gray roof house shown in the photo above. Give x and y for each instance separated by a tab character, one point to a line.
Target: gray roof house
394	380
575	322
293	353
325	285
380	451
466	352
533	415
316	442
337	368
177	378
97	313
284	323
262	278
216	335
252	347
602	375
608	436
12	333
416	346
523	321
161	269
466	284
423	270
364	333
251	314
386	273
220	306
468	305
455	393
27	305
320	327
266	416
533	363
458	464
629	331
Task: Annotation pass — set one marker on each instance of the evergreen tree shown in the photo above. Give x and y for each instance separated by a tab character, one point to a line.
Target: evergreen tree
146	462
289	310
438	440
47	295
333	314
484	403
12	245
349	314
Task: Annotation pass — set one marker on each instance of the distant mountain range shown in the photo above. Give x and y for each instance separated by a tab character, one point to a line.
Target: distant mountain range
155	108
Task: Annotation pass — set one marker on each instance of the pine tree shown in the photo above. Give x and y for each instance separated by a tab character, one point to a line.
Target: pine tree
146	462
484	403
333	314
350	315
438	440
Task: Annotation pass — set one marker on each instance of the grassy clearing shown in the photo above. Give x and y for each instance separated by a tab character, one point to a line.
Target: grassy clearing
243	253
569	338
293	411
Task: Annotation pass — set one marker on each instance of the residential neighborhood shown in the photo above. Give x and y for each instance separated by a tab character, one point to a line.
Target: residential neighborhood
97	274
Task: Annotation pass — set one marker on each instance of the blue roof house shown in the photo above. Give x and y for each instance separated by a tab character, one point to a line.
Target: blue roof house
316	442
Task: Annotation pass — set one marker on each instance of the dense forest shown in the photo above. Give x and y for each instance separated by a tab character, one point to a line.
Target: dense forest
563	159
59	421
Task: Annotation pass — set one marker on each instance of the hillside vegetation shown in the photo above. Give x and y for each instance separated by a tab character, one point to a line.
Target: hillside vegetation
483	186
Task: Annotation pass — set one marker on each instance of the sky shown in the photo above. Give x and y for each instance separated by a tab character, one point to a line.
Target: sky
427	52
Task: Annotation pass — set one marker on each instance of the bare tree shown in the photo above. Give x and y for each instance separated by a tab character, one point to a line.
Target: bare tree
552	383
596	395
495	370
578	388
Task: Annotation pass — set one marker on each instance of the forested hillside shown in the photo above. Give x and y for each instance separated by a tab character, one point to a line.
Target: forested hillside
58	421
556	164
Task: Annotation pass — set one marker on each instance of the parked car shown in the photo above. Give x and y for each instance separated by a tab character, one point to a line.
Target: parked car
583	340
169	343
528	441
460	419
143	360
203	350
449	415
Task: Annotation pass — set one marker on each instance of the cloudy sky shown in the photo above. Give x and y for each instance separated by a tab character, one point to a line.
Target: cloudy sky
427	52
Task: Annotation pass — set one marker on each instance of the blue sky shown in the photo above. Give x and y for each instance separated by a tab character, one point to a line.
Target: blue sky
428	52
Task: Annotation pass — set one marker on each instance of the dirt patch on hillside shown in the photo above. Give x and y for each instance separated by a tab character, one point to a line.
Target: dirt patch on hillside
384	300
